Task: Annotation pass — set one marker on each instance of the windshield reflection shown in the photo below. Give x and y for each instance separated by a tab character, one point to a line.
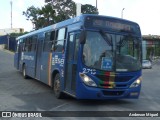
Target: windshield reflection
112	52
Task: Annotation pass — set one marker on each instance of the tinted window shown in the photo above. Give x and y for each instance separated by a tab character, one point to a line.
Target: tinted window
26	44
59	46
70	47
29	43
34	42
76	47
48	41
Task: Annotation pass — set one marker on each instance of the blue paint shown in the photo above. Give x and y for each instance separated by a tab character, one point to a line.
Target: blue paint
70	67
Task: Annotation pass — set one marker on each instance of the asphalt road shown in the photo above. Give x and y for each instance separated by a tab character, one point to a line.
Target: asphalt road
18	94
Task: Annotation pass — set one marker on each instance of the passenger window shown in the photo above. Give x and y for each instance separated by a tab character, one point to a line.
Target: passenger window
48	41
61	34
59	43
26	42
29	44
52	36
34	42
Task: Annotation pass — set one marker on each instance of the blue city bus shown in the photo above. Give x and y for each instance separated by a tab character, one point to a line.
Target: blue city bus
87	57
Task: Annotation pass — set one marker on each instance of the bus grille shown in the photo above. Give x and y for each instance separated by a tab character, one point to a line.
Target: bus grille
113	81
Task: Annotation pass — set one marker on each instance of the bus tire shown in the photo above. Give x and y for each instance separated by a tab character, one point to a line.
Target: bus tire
24	72
57	87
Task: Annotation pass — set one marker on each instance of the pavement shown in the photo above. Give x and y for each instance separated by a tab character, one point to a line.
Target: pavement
8	51
18	94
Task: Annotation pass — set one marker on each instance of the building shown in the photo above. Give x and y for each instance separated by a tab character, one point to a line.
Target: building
7	41
9	30
151	46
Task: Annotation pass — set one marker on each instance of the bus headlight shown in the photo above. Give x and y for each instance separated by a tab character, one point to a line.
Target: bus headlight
87	80
136	83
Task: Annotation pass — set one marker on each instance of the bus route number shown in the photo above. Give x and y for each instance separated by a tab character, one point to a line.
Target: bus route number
91	71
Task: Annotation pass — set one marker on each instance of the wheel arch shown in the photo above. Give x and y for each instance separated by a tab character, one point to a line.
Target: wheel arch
23	66
54	72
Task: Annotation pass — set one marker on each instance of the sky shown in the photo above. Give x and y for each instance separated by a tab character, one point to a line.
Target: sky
145	12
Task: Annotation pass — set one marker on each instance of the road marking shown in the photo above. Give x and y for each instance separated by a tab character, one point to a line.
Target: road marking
60	106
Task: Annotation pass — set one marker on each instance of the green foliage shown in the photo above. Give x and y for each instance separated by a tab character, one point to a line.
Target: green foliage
56	12
40	17
89	9
17	34
32	15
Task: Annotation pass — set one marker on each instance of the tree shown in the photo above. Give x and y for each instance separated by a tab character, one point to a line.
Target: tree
17	34
40	17
89	9
32	14
64	9
68	7
47	15
55	12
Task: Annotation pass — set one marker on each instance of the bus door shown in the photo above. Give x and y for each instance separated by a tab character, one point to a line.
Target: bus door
71	63
38	59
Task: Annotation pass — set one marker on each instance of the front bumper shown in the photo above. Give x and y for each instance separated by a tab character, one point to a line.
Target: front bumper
86	92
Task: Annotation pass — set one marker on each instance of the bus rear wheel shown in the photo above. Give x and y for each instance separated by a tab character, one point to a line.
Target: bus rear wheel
57	87
24	72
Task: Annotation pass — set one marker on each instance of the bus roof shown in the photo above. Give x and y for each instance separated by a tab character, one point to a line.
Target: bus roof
110	17
72	21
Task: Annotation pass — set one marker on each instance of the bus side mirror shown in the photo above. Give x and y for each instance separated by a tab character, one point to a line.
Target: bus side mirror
83	37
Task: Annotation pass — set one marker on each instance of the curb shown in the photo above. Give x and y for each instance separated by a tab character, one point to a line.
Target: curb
7	51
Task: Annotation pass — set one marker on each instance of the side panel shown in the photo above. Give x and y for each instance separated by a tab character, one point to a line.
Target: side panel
29	60
57	64
46	67
16	63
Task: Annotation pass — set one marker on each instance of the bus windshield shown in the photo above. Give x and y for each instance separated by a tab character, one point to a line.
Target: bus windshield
112	52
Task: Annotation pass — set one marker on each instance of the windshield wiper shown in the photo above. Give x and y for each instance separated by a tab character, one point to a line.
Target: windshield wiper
106	38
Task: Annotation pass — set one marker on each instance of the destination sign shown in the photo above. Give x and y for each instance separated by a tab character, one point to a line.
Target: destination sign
111	24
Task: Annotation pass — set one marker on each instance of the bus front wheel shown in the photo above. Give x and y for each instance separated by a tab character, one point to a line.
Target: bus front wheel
57	87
